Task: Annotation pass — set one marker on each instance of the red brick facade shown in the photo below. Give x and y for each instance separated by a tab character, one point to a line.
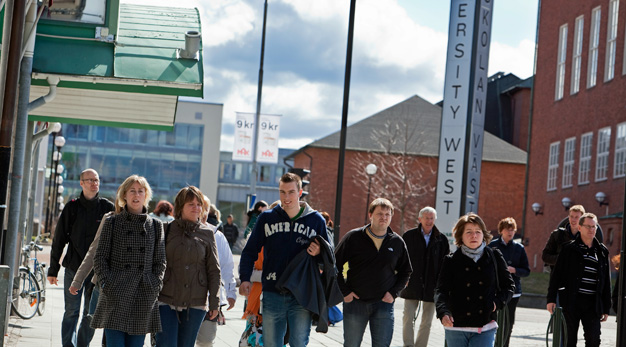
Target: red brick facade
588	110
501	189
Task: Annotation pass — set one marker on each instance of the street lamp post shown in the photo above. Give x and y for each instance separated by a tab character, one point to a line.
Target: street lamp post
59	142
55	130
370	169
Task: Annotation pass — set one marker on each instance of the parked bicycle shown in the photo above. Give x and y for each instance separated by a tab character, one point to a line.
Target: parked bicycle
30	285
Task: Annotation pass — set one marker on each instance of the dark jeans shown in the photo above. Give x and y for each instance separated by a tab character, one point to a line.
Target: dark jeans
69	336
512	305
584	312
179	328
121	339
356	315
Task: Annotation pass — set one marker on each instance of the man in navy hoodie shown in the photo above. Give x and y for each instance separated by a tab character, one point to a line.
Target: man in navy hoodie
282	232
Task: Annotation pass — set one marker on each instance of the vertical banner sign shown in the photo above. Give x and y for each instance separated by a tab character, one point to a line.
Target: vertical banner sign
267	146
462	119
244	133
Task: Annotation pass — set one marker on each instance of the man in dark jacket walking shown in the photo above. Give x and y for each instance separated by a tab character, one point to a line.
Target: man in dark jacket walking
427	247
581	277
77	228
561	236
379	268
231	231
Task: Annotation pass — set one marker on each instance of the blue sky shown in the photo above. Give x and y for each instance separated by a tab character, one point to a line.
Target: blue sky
399	51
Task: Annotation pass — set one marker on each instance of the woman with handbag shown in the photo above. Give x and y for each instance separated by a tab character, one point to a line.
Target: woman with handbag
473	283
192	277
129	263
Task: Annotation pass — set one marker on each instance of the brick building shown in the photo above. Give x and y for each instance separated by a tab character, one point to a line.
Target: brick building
403	141
578	142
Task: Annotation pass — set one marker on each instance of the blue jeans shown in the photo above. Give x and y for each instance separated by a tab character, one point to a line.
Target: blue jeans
356	315
180	328
121	339
469	339
280	310
69	336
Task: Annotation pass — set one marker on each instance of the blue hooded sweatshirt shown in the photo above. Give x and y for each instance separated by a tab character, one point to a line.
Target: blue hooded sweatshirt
282	238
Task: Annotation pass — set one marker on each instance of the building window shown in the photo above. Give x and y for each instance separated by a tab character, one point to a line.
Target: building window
611	37
280	171
620	151
264	174
585	158
553	165
594	41
199	115
86	11
568	162
576	54
560	64
602	158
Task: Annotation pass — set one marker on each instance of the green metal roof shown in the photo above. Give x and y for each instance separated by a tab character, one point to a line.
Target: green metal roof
142	59
148	39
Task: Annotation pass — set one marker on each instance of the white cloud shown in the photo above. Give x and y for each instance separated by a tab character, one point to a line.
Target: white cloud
394	58
518	60
225	21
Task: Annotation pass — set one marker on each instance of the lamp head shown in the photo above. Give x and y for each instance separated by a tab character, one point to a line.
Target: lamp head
566	202
601	198
371	169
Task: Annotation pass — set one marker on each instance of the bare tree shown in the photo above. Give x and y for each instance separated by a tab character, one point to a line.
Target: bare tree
403	176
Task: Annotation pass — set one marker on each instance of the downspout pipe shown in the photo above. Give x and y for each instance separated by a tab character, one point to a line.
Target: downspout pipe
14	233
28	213
42	100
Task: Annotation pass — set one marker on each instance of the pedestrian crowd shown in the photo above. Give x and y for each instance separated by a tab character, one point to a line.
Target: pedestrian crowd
170	273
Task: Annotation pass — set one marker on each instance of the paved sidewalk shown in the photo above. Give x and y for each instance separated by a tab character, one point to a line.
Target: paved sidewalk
529	330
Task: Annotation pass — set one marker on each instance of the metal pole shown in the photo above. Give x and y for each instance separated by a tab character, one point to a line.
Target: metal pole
32	196
48	224
621	320
26	175
55	192
367	203
14	233
344	122
255	169
9	102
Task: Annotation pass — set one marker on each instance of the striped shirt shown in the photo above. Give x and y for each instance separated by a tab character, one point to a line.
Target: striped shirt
589	280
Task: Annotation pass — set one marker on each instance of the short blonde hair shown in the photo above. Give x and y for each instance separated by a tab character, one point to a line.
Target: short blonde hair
185	195
120	202
577	208
470	218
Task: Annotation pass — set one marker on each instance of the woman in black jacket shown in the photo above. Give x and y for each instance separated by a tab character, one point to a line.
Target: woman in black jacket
473	283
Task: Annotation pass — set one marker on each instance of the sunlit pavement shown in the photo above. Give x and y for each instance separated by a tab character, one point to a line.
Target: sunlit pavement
529	330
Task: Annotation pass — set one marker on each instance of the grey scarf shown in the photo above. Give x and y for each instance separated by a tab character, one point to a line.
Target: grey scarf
473	254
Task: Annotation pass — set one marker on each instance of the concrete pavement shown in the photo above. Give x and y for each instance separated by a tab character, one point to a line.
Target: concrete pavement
530	328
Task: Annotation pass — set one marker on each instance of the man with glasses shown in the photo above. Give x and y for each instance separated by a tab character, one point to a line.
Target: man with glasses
77	228
582	280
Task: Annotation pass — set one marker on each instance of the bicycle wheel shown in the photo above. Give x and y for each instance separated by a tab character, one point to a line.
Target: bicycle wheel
41	280
25	295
